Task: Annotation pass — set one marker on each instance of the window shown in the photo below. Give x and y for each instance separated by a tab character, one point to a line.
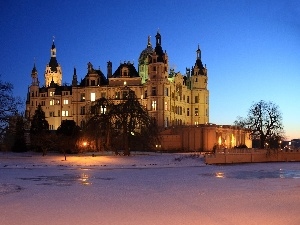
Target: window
66	101
117	95
125	95
57	102
196	112
93	97
51	102
65	113
166	92
103	95
154	107
51	93
166	106
188	111
51	114
43	103
82	110
153	91
188	99
82	97
58	113
93	83
146	94
196	99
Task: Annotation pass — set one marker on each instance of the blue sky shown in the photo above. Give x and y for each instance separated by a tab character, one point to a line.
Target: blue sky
251	48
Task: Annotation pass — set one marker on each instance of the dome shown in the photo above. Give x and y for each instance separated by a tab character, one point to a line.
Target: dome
148	50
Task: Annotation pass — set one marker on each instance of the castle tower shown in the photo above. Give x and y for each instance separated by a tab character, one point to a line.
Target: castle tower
53	70
32	100
200	93
158	82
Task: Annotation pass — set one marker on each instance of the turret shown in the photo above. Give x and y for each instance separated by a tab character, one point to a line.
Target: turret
34	76
53	70
74	80
109	69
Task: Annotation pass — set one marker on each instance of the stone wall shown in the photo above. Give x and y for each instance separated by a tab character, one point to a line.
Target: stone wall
251	155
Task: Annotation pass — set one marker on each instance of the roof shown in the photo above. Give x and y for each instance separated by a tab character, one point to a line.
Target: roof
132	72
53	64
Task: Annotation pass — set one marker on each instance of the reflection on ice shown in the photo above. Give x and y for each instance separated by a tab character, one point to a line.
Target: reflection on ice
257	174
84	179
220	175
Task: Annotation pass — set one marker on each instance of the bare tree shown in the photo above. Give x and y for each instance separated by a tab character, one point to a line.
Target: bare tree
8	105
264	119
121	126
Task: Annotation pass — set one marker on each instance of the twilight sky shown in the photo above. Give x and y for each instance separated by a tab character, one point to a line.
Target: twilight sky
251	48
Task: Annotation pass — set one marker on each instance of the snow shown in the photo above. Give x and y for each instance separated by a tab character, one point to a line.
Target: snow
145	188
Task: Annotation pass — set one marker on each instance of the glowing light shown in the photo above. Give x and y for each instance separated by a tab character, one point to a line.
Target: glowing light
220	175
84	179
84	143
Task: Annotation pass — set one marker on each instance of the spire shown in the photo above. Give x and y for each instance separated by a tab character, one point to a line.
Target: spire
53	62
74	80
198	53
158	49
34	76
53	45
198	69
158	38
34	70
149	42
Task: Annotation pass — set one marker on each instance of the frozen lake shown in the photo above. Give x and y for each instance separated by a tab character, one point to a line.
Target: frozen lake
145	189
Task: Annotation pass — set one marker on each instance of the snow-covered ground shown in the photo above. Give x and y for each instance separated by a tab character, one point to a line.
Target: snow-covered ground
145	189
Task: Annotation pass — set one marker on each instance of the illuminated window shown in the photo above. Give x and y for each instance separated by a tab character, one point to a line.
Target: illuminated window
51	93
52	102
82	97
154	107
196	112
166	106
117	95
66	101
65	113
93	97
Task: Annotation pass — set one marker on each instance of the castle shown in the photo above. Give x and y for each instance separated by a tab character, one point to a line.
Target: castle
173	99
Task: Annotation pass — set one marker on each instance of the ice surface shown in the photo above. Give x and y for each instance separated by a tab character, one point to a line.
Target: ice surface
145	189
